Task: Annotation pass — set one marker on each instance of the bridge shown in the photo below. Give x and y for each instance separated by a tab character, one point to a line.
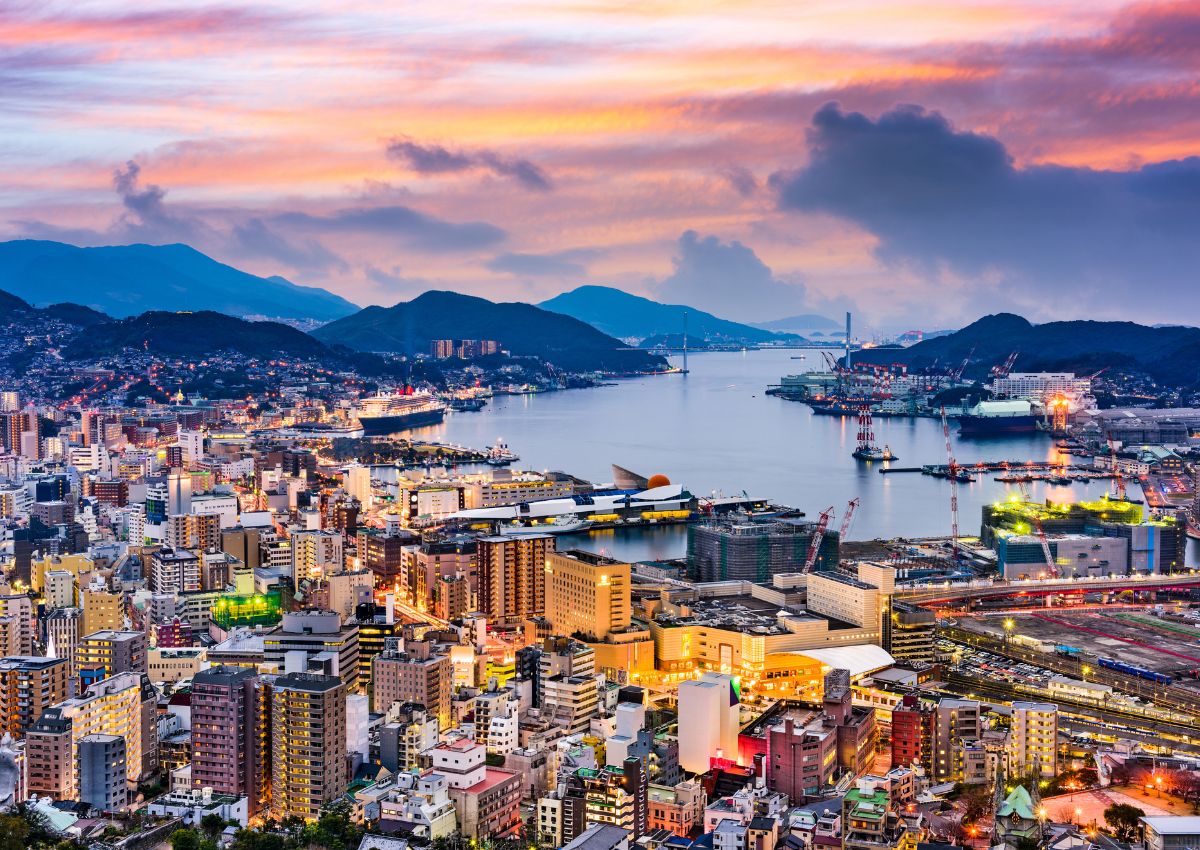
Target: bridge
938	593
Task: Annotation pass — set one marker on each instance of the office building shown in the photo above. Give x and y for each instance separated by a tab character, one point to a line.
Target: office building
308	744
102	780
587	594
29	686
1033	740
230	732
383	555
512	576
709	711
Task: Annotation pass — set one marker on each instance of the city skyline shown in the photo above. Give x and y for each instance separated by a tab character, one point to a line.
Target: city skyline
927	164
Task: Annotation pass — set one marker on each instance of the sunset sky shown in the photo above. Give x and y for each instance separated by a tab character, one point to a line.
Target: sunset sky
921	163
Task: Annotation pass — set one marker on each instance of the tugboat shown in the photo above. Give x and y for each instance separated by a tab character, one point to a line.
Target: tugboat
867	450
500	454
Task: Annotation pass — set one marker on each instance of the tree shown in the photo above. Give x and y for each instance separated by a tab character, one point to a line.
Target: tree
13	832
212	824
185	839
1122	819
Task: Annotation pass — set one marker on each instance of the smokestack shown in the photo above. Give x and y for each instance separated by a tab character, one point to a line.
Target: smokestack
847	339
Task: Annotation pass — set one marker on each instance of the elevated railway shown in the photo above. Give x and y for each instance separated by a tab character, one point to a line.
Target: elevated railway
946	593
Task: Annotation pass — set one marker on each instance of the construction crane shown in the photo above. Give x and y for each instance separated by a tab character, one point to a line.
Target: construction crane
814	545
952	474
851	507
1050	565
1118	481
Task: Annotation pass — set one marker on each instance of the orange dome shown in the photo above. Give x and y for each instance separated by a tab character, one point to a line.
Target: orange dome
659	480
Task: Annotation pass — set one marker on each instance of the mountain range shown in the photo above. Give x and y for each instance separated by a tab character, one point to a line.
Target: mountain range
626	316
126	280
522	329
1168	354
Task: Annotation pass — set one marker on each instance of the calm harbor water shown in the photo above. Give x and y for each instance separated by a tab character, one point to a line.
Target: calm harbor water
714	430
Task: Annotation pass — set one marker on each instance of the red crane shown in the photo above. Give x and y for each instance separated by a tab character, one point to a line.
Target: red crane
1002	370
851	507
814	545
952	474
1118	481
1050	565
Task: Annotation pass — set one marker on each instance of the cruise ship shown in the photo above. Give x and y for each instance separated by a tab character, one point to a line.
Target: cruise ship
387	414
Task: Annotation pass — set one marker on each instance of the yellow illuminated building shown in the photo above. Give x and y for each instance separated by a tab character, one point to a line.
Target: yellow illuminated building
587	594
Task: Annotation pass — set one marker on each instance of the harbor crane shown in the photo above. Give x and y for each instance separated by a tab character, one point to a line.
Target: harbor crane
952	474
814	545
1003	369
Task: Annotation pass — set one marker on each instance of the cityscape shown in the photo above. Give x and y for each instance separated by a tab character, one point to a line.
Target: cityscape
605	426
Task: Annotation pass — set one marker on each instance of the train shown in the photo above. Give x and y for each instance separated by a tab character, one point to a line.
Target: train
1130	670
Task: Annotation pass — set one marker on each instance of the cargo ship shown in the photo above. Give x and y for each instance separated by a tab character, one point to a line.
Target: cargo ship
991	418
386	414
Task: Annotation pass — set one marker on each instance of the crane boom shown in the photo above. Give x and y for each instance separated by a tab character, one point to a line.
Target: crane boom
952	474
814	545
1050	565
851	507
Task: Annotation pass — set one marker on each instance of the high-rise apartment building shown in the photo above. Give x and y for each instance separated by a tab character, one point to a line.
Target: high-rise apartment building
230	734
315	639
308	744
101	611
29	686
200	532
955	722
175	571
102	780
113	706
587	594
512	576
417	674
1033	740
610	795
316	554
106	653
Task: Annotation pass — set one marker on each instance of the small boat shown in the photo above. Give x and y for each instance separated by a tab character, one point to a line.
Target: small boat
467	404
873	453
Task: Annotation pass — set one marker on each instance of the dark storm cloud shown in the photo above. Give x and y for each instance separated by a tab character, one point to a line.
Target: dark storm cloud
936	196
404	224
727	279
572	263
436	159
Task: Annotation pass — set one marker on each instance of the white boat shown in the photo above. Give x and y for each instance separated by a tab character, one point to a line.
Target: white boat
552	525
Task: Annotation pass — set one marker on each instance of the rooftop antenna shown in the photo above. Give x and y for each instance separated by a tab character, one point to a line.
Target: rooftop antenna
847	340
685	366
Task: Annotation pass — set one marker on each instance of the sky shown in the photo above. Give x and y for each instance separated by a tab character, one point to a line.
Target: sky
921	163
